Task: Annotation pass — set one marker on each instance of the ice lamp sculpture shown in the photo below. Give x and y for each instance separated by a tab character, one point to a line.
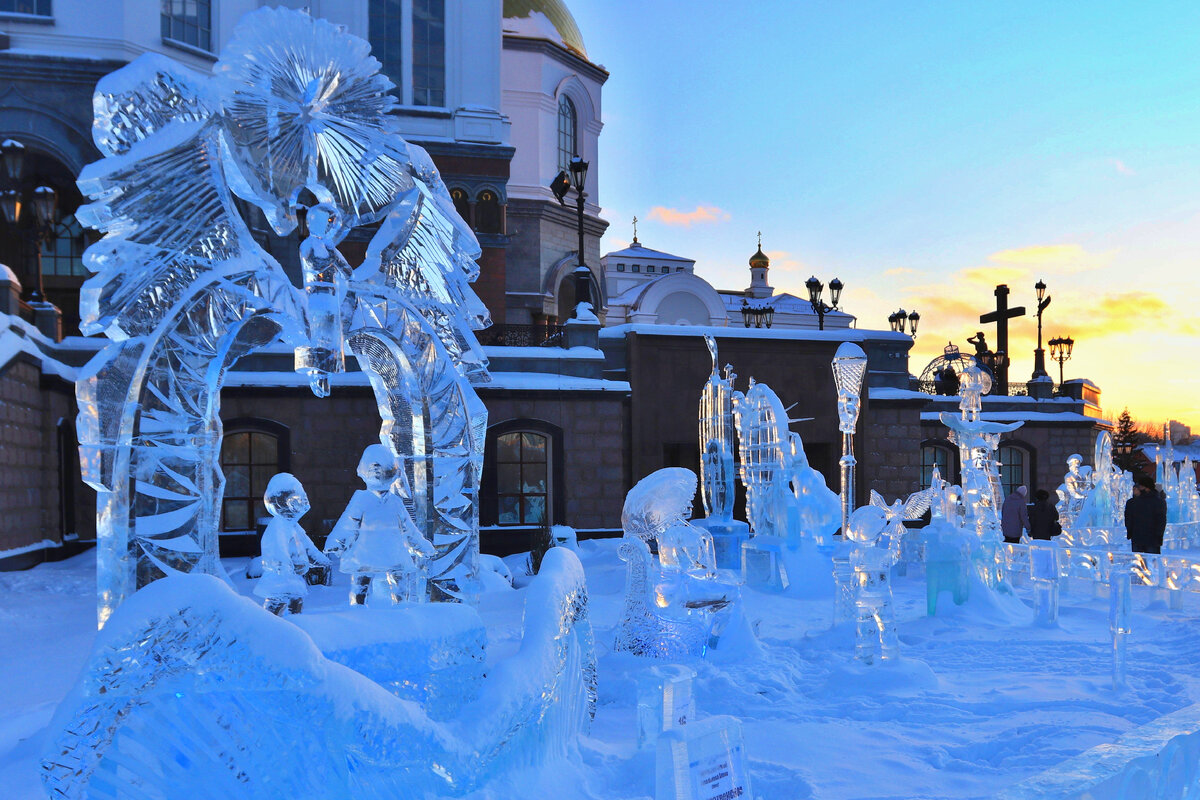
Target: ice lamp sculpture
294	122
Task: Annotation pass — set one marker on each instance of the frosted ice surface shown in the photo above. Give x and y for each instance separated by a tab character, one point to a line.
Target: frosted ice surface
294	122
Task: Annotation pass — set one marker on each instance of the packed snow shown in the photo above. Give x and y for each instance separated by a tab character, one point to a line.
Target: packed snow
979	700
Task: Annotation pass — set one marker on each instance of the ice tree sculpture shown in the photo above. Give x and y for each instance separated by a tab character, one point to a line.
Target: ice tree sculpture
763	442
672	603
375	536
294	123
872	562
287	552
716	440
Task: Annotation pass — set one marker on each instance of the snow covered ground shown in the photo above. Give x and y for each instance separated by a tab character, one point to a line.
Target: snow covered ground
980	699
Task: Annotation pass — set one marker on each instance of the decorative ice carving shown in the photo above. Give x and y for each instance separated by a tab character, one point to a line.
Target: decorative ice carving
872	562
1073	491
716	440
1108	490
287	552
375	536
849	369
671	603
194	691
977	441
295	122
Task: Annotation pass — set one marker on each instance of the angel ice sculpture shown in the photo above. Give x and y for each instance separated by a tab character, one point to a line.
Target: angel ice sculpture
376	537
294	122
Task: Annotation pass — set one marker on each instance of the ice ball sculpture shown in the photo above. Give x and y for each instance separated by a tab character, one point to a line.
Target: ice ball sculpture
295	122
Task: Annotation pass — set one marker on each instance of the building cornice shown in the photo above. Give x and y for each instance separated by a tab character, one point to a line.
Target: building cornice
558	53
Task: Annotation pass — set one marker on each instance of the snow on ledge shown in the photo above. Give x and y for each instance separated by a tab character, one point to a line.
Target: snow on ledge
582	353
535	381
1023	416
734	332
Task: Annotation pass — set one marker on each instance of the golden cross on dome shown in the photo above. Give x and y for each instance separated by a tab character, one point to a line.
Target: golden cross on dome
635	229
760	240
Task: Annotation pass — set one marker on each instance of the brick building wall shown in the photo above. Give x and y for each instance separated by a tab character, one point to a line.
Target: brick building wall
889	449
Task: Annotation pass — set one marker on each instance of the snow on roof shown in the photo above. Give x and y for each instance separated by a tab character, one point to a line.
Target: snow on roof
557	383
1023	416
635	250
18	336
6	274
734	332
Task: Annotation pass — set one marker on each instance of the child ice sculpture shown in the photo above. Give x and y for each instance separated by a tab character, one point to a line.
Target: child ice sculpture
287	552
873	593
376	536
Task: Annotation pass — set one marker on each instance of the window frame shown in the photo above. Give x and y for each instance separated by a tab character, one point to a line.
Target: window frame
1007	487
951	474
283	449
393	40
489	490
168	20
568	131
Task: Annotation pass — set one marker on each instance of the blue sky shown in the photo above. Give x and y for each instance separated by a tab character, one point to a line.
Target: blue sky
923	152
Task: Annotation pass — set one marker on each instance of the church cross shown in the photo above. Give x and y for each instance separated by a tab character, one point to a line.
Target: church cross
635	229
1001	316
760	240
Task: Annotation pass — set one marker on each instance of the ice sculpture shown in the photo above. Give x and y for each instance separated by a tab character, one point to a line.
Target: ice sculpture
849	369
295	122
872	562
287	552
1043	571
194	691
947	563
674	605
1108	489
375	536
717	474
977	441
1073	491
1120	613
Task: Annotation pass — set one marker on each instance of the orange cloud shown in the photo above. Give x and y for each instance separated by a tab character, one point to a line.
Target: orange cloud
783	261
701	215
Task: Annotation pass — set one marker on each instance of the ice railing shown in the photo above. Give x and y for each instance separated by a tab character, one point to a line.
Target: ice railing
1094	564
1160	759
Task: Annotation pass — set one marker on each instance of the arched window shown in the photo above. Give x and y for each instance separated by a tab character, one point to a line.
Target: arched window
248	459
522	478
933	455
488	218
1014	468
62	254
568	130
461	204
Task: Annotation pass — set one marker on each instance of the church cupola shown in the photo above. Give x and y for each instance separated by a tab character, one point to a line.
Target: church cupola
759	264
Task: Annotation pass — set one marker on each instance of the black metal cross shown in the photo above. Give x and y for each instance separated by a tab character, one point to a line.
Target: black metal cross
1001	316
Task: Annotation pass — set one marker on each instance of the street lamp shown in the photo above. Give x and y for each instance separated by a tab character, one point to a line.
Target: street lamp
898	319
43	199
758	315
815	287
575	177
1060	351
1039	355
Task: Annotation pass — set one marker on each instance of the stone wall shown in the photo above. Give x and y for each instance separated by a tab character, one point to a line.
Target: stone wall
889	449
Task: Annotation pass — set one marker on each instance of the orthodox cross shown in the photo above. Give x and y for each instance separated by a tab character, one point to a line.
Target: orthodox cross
635	230
760	240
1001	316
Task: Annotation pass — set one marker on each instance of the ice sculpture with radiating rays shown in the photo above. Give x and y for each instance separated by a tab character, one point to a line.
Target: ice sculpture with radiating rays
295	122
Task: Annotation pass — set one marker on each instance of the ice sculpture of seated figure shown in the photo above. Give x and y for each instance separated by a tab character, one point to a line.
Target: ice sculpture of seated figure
376	536
872	563
287	552
670	603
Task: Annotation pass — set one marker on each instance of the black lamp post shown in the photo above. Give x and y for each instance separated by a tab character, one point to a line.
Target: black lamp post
815	287
575	176
1060	351
899	319
13	196
757	315
1039	355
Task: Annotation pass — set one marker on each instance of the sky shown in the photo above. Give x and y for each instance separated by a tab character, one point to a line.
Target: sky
923	152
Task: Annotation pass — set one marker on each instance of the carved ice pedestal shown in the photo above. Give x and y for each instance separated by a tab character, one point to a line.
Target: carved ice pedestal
1043	571
762	563
433	654
727	537
664	701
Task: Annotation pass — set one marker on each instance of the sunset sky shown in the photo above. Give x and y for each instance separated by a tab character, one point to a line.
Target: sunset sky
924	152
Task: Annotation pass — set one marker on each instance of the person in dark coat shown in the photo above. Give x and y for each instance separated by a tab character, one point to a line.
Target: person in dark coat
1043	517
1145	518
1014	515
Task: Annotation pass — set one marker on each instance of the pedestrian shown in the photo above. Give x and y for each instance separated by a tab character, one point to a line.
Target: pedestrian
1014	515
1145	517
1043	517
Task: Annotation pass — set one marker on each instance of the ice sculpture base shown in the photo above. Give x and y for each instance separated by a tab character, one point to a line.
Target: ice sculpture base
762	563
1093	537
705	759
433	654
727	537
1178	536
664	701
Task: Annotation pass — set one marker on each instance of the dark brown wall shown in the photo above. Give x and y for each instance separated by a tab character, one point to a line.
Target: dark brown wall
890	449
667	374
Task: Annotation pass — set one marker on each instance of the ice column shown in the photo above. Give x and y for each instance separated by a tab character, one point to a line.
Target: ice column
849	369
1120	613
1043	571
